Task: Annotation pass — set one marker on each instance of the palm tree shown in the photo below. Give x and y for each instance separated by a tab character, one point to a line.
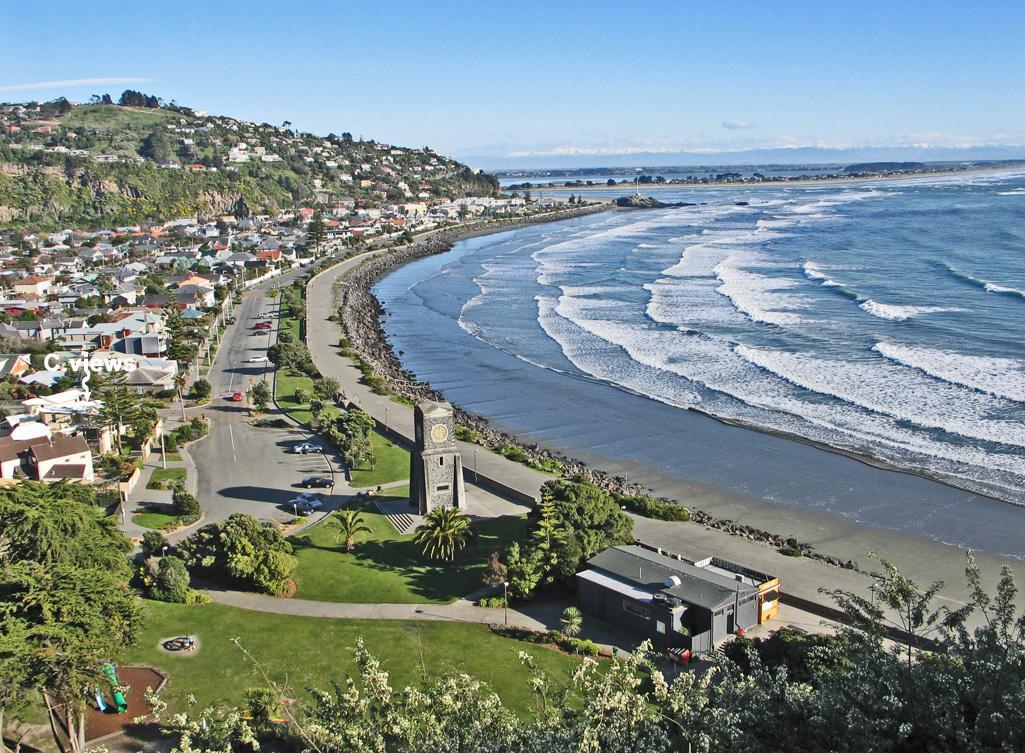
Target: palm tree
444	532
572	621
349	523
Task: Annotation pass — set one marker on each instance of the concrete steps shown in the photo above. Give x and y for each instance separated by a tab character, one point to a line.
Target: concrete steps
399	515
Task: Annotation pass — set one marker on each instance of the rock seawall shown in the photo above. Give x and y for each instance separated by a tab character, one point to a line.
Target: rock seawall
360	313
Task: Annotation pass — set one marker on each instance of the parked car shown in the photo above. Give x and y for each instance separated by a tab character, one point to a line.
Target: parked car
262	325
231	320
236	397
304	509
307	500
257	359
317	482
304	448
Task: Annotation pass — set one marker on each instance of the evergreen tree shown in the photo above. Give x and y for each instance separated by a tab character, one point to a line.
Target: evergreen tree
316	231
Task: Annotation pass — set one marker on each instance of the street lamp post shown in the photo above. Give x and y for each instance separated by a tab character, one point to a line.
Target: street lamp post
475	466
386	419
505	599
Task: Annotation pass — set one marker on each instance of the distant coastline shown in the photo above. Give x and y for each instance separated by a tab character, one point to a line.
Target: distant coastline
628	185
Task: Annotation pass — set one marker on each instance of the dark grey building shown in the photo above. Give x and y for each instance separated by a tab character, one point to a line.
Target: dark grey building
674	603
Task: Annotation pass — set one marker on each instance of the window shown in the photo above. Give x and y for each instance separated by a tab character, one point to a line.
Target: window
441	488
636	609
660	627
441	460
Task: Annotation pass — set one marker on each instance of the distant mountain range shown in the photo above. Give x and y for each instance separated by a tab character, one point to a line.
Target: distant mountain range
809	155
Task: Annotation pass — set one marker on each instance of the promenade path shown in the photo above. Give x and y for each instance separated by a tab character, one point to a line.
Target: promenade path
802	578
458	611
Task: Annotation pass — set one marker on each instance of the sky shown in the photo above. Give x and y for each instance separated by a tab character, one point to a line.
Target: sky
506	81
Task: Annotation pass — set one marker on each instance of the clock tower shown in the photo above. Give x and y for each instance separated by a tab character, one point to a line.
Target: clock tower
436	467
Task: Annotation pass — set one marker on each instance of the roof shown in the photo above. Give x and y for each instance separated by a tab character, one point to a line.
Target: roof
10	449
435	408
66	470
60	448
650	572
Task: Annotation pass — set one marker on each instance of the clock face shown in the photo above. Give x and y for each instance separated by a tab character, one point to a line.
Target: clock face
439	432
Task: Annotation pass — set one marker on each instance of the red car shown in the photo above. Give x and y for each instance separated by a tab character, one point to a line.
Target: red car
236	397
262	325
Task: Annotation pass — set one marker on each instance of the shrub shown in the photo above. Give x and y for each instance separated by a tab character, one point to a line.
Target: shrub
172	581
466	434
791	551
186	506
653	508
244	551
153	542
201	389
580	646
492	602
166	394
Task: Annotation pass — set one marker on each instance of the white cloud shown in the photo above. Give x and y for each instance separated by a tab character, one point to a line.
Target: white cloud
737	125
68	83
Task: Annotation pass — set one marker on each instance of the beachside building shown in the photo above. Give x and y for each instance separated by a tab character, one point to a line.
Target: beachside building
678	604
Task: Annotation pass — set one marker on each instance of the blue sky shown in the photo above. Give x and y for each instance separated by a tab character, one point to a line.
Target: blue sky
549	78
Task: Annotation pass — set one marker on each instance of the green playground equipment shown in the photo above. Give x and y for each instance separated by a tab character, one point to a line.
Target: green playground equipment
119	700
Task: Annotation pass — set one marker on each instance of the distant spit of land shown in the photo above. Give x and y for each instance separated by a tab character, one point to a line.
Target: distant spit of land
651	180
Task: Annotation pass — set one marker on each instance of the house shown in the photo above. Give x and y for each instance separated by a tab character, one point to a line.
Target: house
152	375
677	604
65	458
14	364
36	285
13	453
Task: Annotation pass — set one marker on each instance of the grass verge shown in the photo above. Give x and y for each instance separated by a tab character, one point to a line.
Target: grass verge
388	567
162	478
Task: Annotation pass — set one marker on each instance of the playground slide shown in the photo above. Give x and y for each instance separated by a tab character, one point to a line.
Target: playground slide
119	699
100	703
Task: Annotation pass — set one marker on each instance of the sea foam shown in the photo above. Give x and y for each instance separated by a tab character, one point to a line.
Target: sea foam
1002	377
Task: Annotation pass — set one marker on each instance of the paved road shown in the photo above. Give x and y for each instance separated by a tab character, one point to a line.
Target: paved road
243	469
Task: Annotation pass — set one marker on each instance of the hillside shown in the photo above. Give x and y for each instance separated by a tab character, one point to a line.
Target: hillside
111	164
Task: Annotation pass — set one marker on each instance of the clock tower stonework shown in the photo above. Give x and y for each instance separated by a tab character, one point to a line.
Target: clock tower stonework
436	467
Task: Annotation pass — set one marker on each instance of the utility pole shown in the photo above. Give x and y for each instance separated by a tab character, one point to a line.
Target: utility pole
163	452
505	599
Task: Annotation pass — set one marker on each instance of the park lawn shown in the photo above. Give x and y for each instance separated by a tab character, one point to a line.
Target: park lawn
153	518
305	652
285	385
165	475
392	464
388	568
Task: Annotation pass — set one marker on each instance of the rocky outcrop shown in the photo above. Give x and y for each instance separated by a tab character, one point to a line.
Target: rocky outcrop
647	202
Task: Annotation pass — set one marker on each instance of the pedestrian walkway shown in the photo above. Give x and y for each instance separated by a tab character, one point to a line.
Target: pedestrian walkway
142	499
459	611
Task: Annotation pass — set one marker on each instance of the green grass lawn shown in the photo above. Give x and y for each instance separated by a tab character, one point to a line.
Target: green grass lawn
392	464
153	518
387	567
285	385
309	652
165	476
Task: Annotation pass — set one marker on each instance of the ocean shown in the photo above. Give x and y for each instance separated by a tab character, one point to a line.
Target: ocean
882	320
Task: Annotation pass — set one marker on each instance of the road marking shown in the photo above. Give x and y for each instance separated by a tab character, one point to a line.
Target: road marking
231	434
